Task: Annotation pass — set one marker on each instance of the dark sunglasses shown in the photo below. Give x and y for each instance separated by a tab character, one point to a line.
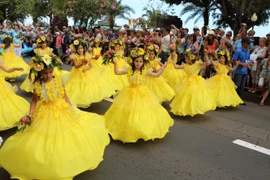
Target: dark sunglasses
228	35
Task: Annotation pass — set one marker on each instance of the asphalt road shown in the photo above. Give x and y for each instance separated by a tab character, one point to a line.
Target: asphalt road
198	148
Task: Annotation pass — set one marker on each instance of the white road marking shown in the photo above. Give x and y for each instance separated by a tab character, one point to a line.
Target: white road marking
108	99
252	146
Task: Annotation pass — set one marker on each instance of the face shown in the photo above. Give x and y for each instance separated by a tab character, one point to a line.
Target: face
262	42
188	61
47	74
228	36
238	36
43	45
138	63
152	55
80	49
222	59
117	47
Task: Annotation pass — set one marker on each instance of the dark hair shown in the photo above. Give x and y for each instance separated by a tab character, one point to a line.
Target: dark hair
38	78
194	38
7	42
226	58
210	41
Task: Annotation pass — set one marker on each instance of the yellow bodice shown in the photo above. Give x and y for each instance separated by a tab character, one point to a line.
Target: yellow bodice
172	60
193	69
96	51
137	77
42	52
49	91
222	69
79	59
153	64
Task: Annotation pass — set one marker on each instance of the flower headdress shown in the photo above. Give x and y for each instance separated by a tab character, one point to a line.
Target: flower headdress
79	42
137	52
96	41
41	40
39	63
115	42
190	54
7	36
223	53
172	48
152	48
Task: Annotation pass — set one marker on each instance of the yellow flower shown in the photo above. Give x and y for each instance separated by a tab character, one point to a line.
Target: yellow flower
43	38
151	48
38	40
47	59
192	57
32	76
97	40
140	52
121	43
133	53
32	64
112	44
222	53
39	67
187	50
76	42
146	57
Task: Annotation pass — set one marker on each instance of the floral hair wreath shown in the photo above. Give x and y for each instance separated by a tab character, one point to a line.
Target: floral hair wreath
115	42
79	42
223	53
137	52
96	41
152	48
7	36
39	63
41	40
190	54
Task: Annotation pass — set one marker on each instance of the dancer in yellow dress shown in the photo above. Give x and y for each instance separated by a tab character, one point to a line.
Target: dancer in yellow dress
13	107
118	82
12	60
173	75
158	85
223	88
42	50
193	95
136	112
62	141
96	59
84	85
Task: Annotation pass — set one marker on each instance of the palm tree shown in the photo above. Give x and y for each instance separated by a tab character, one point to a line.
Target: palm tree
154	15
117	10
198	9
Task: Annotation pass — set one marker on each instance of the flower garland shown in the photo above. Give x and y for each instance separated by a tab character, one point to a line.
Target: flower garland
7	36
190	54
51	91
152	48
113	43
41	40
96	41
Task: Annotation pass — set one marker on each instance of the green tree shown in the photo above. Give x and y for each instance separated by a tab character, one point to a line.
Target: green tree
153	15
38	9
117	10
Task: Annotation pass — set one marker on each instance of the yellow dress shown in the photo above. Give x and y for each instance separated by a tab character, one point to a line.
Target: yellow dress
12	106
223	88
193	95
136	113
158	85
61	143
97	62
171	74
27	85
85	88
118	82
11	60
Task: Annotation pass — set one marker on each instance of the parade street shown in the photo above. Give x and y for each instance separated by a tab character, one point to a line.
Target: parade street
203	147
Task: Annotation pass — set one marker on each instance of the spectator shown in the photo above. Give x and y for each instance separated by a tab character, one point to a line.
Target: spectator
165	44
264	81
58	44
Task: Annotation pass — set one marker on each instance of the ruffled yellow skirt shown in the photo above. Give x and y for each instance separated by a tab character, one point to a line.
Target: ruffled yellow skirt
223	91
87	88
61	143
173	75
12	106
11	60
160	87
193	96
136	114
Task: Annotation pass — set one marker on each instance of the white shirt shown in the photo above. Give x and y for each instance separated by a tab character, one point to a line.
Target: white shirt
165	43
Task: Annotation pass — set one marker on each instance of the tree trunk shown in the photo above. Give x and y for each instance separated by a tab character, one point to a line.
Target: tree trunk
111	22
35	20
206	16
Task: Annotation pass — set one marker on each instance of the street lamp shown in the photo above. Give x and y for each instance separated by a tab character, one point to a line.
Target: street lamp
254	18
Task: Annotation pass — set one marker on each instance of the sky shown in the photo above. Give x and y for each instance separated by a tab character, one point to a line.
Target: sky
138	6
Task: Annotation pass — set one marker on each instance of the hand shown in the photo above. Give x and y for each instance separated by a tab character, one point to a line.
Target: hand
237	62
84	62
84	70
165	64
97	56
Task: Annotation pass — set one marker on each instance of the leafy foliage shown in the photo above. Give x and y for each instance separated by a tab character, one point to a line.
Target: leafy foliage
153	15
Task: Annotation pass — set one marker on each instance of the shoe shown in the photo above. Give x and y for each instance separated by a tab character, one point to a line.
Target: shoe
249	90
243	104
253	91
